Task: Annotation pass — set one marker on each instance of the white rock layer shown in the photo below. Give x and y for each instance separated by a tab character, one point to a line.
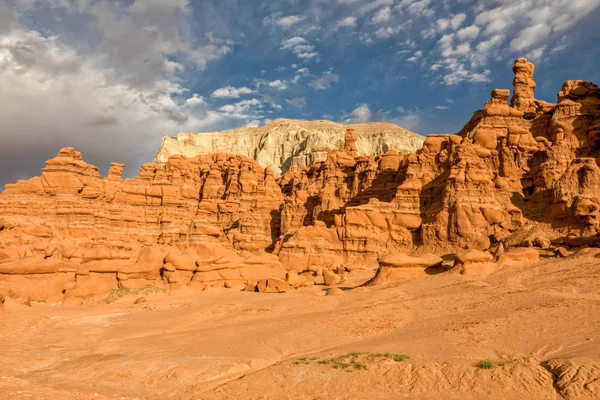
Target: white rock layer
284	143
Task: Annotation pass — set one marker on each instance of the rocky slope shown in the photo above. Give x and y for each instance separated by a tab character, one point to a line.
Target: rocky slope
284	143
514	177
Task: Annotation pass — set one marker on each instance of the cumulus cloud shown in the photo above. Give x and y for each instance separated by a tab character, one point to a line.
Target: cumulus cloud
278	84
468	33
349	22
287	22
361	113
415	56
242	109
111	94
301	47
419	8
230	92
387	32
381	16
120	74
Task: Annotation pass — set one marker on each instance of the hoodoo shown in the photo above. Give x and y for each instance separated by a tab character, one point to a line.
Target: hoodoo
518	175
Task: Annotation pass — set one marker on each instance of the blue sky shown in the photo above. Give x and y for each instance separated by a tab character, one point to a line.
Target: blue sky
111	77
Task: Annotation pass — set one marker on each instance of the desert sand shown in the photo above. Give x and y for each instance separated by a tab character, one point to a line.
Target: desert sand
536	322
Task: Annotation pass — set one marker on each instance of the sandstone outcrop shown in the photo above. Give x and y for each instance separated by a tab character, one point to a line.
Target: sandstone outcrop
395	267
524	174
285	143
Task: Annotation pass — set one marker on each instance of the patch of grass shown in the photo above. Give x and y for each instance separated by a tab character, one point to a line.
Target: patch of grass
356	360
393	356
502	363
116	294
485	364
355	354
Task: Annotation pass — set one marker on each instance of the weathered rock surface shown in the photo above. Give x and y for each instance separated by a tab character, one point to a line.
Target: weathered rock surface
286	143
395	267
520	175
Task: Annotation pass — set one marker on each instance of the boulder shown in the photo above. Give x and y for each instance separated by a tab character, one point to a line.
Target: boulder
398	267
520	254
400	260
272	285
330	279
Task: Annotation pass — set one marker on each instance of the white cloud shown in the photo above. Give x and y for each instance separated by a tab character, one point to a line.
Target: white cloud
361	113
457	72
300	73
298	102
387	32
114	89
457	20
289	21
412	119
278	84
230	92
468	33
301	47
325	81
381	16
419	8
241	109
442	24
530	36
532	23
349	22
415	56
489	44
370	6
537	54
283	22
442	108
252	124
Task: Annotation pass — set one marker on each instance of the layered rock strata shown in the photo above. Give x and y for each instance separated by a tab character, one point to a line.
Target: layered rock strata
524	174
285	143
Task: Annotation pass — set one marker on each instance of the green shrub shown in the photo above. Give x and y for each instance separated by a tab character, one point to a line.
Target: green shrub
485	364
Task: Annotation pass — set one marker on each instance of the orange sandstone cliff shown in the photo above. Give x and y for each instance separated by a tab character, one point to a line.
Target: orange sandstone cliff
518	175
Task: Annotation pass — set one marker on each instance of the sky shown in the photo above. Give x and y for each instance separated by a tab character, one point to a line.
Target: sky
111	77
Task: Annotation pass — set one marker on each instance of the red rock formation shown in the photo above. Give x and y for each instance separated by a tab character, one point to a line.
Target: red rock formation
524	173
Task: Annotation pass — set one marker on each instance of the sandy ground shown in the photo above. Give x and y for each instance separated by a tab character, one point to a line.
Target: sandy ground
538	325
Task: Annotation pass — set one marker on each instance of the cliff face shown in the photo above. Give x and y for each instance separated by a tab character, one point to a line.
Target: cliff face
285	143
520	175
